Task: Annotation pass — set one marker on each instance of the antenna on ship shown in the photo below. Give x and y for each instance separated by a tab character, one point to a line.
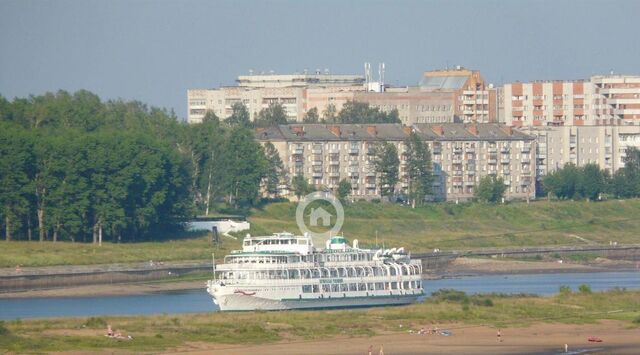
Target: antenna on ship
213	265
377	246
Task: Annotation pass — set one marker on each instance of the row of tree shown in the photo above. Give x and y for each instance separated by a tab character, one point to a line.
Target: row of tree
275	114
590	182
73	167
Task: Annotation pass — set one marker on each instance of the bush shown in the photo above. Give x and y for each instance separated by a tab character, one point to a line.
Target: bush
450	296
4	331
637	320
565	290
584	289
96	322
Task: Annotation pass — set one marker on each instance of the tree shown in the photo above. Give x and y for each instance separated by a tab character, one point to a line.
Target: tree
271	116
490	189
591	182
16	165
311	116
626	181
418	168
300	186
329	114
361	112
275	169
239	116
563	182
344	189
386	163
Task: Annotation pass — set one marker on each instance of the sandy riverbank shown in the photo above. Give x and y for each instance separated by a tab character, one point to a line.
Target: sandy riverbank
109	290
617	338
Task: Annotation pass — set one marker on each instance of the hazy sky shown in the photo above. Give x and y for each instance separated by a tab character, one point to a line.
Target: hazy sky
154	50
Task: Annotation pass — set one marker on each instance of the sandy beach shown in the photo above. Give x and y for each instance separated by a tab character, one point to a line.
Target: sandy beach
617	338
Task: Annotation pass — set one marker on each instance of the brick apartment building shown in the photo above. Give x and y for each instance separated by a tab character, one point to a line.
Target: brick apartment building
462	154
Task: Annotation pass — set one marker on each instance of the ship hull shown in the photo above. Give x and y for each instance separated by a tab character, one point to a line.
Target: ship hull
241	302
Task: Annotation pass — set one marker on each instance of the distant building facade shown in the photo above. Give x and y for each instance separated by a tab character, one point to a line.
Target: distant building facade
581	145
462	154
443	96
602	100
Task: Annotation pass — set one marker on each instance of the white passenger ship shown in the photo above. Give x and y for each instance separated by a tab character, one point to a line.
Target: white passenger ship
284	271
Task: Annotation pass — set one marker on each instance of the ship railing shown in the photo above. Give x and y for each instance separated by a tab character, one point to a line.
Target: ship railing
311	281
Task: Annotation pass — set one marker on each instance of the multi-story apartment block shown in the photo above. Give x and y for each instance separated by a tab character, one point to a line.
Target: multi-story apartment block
456	95
604	145
602	100
462	154
258	91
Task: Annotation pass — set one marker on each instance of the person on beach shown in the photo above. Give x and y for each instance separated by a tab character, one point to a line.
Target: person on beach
566	348
370	350
499	336
109	330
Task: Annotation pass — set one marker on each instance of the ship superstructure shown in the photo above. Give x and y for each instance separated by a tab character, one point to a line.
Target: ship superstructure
285	271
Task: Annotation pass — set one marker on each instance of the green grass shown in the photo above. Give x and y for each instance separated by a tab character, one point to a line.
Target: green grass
442	225
66	253
449	226
154	333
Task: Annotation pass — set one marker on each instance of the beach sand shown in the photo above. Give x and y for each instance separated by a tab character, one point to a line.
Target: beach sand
618	338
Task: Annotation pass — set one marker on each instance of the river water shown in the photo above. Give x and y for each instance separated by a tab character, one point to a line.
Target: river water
190	301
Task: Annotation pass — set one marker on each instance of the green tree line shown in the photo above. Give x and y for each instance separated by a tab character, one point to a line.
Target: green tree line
73	167
591	182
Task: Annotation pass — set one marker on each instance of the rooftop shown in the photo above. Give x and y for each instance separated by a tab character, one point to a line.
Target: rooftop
389	132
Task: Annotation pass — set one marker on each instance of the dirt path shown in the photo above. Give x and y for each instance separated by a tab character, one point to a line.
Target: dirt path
617	338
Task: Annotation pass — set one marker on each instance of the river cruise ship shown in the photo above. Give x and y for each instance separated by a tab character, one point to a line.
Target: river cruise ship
285	271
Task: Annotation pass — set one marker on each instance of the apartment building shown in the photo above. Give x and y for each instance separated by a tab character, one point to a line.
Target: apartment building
452	95
601	100
462	154
604	145
258	91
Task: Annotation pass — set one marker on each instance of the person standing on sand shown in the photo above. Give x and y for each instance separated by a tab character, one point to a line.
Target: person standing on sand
566	348
499	336
381	350
370	350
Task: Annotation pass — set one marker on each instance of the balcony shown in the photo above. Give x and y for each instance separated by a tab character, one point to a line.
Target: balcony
492	172
316	163
334	173
456	173
457	183
470	149
317	174
334	151
370	186
505	161
504	150
471	172
334	162
525	160
469	183
317	151
492	150
298	151
354	151
353	163
457	150
371	174
354	174
492	161
526	149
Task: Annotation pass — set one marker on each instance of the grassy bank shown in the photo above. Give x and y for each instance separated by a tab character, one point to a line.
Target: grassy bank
66	253
444	226
164	332
448	226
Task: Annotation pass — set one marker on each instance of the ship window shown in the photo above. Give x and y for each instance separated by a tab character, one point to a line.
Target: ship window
307	289
344	287
394	285
379	285
316	288
353	287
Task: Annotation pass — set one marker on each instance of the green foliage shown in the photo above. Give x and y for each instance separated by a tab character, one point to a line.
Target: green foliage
75	168
636	320
418	169
565	290
490	189
311	116
96	323
4	331
344	189
271	116
449	295
625	182
386	163
300	186
584	288
361	112
239	116
329	114
275	169
572	182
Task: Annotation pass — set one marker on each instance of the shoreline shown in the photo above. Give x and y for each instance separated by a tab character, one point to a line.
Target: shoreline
462	267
